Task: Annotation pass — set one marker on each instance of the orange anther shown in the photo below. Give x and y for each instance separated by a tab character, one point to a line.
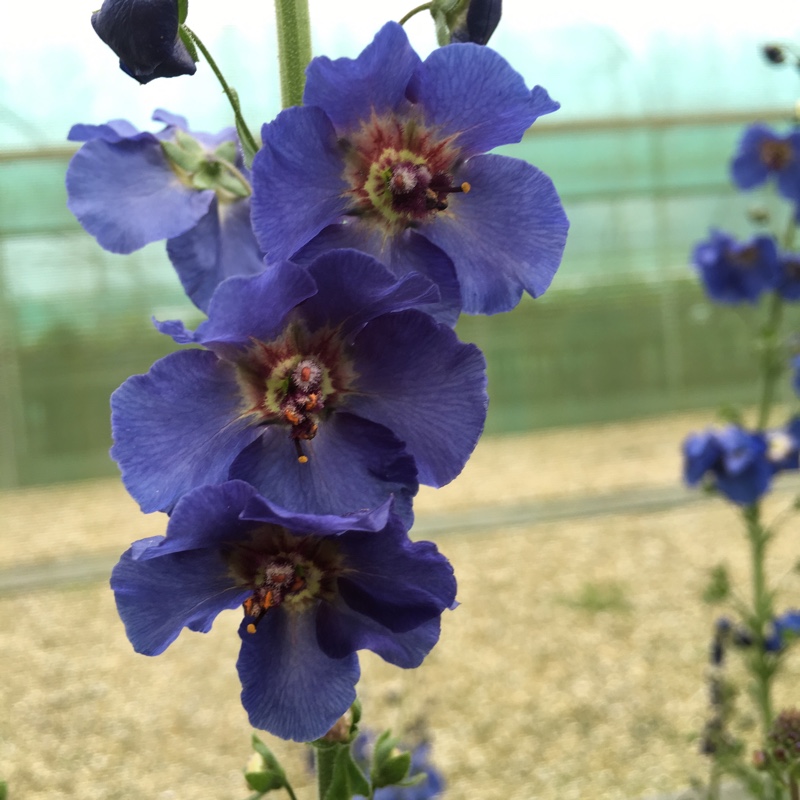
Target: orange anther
305	374
251	628
302	459
292	416
465	187
248	606
297	584
267	601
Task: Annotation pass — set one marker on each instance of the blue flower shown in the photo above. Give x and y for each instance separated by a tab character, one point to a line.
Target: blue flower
784	628
386	157
733	272
788	284
314	591
796	377
318	387
129	188
763	154
144	34
735	459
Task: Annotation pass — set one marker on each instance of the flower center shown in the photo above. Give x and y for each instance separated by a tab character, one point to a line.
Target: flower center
295	381
283	570
776	154
744	258
400	174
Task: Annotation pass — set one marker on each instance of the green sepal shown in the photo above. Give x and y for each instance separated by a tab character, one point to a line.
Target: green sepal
389	767
188	43
227	152
268	756
446	16
264	781
347	779
185	152
183	11
718	588
207	177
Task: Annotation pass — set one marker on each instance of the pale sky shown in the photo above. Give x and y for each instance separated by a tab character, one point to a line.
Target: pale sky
615	57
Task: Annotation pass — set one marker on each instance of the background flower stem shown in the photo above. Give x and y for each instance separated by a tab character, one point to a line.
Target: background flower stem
760	664
294	48
771	348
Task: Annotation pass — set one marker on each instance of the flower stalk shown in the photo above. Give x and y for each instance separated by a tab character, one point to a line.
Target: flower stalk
249	144
294	48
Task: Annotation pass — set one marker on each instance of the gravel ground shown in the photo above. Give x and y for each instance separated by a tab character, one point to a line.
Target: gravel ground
573	668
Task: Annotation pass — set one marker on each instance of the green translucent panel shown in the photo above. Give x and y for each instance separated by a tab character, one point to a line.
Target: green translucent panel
623	331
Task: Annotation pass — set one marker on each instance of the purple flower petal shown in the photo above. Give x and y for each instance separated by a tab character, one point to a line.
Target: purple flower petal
505	236
222	244
400	254
472	93
178	427
290	687
261	510
205	517
420	381
350	90
298	186
157	598
255	307
353	465
114	131
341	630
394	581
353	288
126	195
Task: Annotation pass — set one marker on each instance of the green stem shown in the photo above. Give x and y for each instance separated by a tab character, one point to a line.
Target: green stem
230	93
415	11
771	359
326	756
761	666
294	48
292	795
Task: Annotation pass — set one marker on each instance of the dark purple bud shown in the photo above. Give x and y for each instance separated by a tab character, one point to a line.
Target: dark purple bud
774	53
144	34
480	22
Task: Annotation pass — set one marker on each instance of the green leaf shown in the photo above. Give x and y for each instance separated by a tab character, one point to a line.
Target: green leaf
3	790
183	11
347	779
719	585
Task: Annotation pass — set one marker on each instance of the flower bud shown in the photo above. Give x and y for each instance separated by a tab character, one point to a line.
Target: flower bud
479	22
144	34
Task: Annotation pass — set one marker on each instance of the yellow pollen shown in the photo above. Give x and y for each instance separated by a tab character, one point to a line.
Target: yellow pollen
465	187
302	459
251	628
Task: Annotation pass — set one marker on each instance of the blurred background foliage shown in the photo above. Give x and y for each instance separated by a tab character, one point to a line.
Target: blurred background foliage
639	152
